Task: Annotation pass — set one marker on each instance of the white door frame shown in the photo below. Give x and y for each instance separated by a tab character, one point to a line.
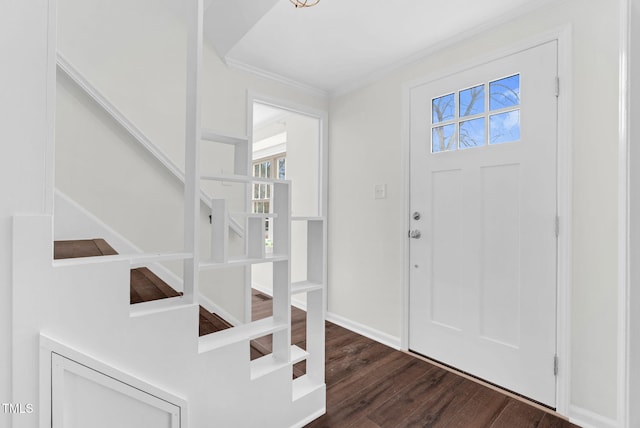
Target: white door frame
564	185
323	155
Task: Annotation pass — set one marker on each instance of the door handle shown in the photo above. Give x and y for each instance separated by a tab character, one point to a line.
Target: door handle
415	234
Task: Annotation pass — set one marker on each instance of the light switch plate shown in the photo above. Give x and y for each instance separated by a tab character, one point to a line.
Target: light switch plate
380	191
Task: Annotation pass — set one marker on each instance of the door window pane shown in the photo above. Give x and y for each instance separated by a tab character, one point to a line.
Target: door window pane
443	109
472	133
504	93
472	101
504	127
443	138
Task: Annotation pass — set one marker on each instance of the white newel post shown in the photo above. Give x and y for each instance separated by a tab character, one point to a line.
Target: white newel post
193	134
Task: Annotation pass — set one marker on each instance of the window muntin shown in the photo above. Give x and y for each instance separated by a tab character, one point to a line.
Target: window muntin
480	115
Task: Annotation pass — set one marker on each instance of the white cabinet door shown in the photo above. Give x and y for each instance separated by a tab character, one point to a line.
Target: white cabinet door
483	180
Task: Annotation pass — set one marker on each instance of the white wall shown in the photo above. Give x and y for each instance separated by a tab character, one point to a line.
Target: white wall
24	133
140	68
366	235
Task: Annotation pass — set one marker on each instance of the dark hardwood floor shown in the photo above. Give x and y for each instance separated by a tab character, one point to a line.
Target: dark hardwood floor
369	385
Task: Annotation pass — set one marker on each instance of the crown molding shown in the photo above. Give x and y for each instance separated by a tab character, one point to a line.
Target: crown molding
421	55
241	66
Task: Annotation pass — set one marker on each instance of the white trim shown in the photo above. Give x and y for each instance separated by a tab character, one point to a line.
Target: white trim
51	106
367	79
588	419
563	36
50	346
524	44
406	202
76	76
274	77
565	213
633	285
366	331
623	369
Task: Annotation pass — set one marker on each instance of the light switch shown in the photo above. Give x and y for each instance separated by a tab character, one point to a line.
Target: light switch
380	191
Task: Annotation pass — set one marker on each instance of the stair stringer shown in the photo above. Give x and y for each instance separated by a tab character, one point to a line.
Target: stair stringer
84	305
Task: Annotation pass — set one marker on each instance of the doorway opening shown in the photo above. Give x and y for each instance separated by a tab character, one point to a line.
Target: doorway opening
288	143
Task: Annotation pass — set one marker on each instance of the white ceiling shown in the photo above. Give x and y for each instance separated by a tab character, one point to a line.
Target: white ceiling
264	114
337	43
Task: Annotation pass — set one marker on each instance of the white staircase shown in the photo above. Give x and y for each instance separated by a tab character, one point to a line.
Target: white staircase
98	361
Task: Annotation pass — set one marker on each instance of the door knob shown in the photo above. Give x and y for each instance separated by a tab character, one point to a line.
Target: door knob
415	234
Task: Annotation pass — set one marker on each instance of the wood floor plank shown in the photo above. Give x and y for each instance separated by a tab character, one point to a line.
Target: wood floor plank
363	378
298	327
480	410
365	422
444	402
550	421
261	305
425	390
518	415
352	357
347	412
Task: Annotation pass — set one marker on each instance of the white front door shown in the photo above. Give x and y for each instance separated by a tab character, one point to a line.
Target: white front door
483	219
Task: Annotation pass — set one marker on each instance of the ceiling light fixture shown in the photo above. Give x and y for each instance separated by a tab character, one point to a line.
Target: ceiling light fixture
304	3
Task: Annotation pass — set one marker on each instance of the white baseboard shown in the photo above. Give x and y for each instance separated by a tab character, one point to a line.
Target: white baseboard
356	327
73	221
588	419
371	333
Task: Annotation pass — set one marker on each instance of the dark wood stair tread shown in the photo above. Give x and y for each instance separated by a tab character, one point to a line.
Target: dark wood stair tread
82	248
146	287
